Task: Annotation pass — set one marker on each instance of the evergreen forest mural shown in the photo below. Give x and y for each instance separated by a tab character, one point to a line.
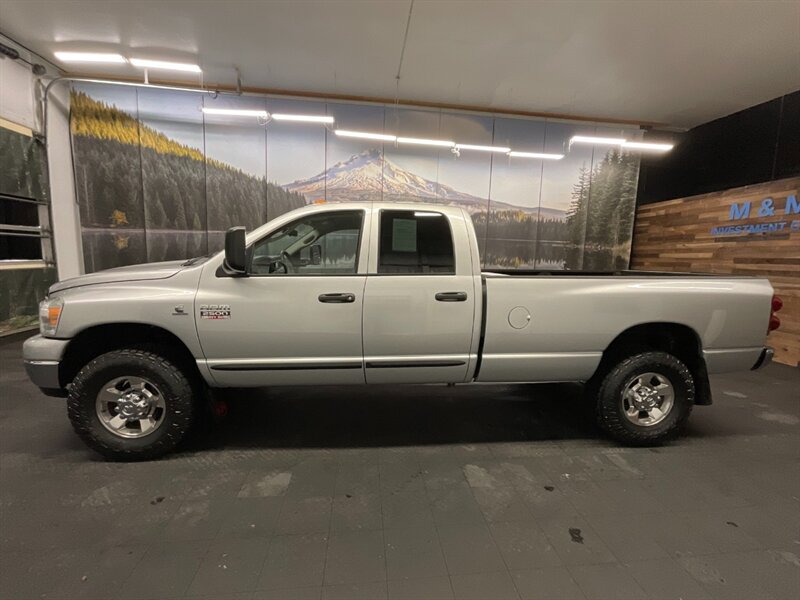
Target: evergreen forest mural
157	179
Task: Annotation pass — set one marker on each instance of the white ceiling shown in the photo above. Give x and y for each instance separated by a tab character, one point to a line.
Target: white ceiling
668	62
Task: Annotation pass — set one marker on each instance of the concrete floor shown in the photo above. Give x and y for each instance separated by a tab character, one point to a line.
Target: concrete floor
420	492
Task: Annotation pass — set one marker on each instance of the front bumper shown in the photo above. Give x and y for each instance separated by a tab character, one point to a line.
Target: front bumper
43	373
42	359
764	358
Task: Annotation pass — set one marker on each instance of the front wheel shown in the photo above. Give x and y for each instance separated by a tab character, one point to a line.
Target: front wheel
132	404
645	399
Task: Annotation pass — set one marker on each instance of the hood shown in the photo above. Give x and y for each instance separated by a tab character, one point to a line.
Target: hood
159	270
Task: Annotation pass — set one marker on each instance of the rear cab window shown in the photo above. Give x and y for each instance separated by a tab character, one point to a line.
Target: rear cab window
415	242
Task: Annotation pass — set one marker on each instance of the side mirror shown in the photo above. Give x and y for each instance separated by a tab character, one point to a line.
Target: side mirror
316	254
235	253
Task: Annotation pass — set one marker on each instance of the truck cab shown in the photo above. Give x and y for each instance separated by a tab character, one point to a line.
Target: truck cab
352	295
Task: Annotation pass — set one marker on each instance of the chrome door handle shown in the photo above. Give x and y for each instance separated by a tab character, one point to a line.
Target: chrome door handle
451	296
338	298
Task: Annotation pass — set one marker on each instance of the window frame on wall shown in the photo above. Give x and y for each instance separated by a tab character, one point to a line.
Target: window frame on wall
9	255
16	224
27	258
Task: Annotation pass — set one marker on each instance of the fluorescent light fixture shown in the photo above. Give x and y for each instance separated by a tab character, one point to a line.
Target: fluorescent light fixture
365	135
93	57
542	155
236	112
303	118
144	63
589	139
483	148
648	146
424	142
419	213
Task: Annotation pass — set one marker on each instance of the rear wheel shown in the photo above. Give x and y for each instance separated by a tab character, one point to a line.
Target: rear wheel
645	399
132	404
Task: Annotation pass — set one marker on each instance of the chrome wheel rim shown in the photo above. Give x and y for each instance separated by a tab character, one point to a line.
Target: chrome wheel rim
130	407
647	399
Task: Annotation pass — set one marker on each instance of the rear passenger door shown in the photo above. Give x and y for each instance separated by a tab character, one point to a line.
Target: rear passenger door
419	302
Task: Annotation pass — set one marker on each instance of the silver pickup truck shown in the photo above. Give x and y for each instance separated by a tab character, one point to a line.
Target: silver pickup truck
353	294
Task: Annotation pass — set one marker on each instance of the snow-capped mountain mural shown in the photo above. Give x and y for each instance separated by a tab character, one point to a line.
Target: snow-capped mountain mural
155	180
370	176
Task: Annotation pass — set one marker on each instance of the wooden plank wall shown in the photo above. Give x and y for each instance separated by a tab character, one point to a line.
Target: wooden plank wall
675	235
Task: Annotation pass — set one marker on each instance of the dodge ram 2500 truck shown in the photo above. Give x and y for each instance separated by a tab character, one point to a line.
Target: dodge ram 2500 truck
382	293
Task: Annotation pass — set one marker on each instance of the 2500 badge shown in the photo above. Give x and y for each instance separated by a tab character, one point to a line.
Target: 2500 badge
215	311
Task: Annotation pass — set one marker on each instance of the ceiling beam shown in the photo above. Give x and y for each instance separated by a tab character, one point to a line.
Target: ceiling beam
405	102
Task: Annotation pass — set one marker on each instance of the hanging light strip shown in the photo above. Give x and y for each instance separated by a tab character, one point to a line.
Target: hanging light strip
655	147
303	118
502	149
236	112
542	155
600	141
366	135
425	142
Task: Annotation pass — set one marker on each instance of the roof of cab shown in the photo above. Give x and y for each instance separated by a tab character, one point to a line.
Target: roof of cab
329	206
418	206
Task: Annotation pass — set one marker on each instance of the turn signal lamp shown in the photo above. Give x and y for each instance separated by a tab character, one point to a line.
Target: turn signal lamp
49	315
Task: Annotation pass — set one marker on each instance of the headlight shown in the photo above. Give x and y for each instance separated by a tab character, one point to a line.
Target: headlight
49	315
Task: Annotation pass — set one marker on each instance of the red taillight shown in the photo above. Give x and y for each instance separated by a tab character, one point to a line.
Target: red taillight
774	321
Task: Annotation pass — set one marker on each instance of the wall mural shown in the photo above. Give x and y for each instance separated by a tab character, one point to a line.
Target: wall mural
158	179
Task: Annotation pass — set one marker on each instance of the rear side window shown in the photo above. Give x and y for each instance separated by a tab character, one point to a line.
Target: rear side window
415	242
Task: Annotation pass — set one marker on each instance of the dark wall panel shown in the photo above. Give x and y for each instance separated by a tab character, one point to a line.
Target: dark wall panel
755	145
787	158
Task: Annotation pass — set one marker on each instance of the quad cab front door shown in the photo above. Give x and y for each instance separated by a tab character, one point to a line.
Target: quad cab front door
296	318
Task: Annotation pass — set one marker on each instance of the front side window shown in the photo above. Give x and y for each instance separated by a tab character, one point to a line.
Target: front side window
413	242
320	244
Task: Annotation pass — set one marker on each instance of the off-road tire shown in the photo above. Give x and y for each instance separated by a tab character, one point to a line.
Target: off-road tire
178	386
610	411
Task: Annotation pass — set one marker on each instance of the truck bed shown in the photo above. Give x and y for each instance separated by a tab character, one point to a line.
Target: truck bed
555	325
